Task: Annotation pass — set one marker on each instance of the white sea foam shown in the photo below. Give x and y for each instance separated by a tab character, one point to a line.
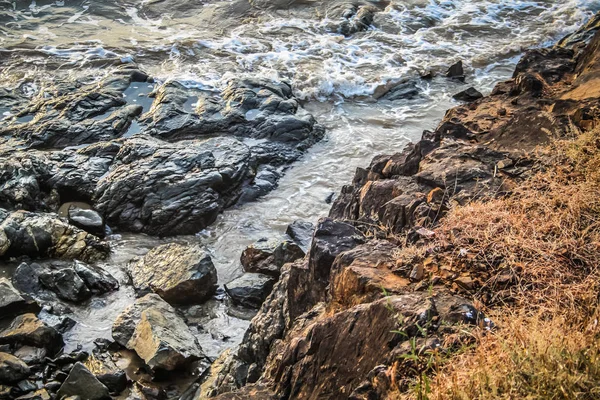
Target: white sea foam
325	65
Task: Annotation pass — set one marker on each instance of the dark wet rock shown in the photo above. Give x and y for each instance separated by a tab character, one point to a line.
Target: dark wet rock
268	256
152	328
81	382
64	132
88	220
274	153
97	280
66	284
31	355
179	274
356	20
250	108
107	372
26	278
45	235
470	94
70	358
456	71
403	91
21	178
11	301
264	181
69	280
81	116
28	330
12	369
146	185
172	188
250	290
27	386
41	394
301	233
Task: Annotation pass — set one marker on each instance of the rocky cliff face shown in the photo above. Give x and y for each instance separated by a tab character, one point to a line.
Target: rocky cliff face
341	322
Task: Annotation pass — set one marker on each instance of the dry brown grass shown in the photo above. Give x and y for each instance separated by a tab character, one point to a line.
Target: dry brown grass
547	236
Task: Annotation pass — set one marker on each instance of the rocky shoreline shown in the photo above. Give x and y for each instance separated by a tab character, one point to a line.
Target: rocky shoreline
343	306
338	322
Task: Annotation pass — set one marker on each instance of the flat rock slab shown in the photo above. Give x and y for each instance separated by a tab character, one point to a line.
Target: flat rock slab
179	274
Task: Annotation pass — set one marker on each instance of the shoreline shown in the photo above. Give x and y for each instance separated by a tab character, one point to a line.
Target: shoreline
304	344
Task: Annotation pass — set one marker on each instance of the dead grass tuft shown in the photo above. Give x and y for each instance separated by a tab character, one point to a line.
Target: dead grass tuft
546	236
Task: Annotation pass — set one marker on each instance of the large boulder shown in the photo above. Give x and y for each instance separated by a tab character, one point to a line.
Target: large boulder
179	274
12	369
45	235
250	290
11	301
81	382
27	329
152	328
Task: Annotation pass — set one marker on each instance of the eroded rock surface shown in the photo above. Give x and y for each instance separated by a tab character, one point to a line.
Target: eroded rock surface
152	328
45	235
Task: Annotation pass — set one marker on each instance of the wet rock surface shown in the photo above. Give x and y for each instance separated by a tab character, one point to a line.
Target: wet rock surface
179	274
73	281
250	289
12	302
81	382
183	166
152	328
28	330
268	256
45	235
12	369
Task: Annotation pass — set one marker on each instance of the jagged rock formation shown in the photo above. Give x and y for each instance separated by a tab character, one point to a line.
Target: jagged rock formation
326	330
183	165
